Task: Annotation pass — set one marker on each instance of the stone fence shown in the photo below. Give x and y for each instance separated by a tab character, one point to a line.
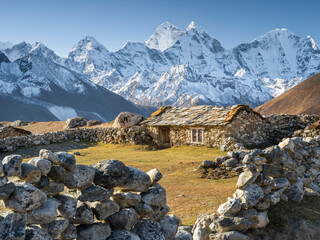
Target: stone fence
282	172
52	197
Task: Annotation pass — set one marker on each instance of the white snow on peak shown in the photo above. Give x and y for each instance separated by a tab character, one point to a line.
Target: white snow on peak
192	25
5	45
313	44
164	37
240	72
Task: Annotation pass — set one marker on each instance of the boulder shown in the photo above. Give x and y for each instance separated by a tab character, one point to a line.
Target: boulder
3	181
248	176
208	164
201	234
231	162
25	198
93	123
57	173
81	177
158	212
34	232
12	225
110	173
43	164
44	214
182	234
95	193
230	208
6	191
126	120
155	196
96	231
66	160
144	210
76	122
48	155
249	196
126	199
68	205
155	175
264	203
53	189
272	170
125	219
226	224
103	210
169	226
12	165
84	214
30	173
19	123
149	230
280	183
232	235
123	235
137	181
70	232
56	227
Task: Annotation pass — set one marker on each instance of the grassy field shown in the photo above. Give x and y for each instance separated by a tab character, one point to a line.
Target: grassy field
188	194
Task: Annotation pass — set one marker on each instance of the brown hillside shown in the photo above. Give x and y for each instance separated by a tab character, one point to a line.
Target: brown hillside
301	99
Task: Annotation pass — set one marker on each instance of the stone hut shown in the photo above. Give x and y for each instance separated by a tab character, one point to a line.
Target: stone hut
212	126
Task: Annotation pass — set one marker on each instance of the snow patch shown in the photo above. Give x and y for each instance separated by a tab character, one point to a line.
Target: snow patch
240	72
63	113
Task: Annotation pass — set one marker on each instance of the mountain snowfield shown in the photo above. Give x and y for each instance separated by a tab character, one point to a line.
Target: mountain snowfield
173	67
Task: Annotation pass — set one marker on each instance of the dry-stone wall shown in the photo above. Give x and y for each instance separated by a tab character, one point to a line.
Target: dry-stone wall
133	135
52	197
278	173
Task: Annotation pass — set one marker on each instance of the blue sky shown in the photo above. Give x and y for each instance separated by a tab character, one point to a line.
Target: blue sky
60	24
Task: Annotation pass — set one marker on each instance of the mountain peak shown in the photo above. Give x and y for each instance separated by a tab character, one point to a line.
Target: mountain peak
5	45
164	36
192	25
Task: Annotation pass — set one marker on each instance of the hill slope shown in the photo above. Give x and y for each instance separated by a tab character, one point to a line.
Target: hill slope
301	99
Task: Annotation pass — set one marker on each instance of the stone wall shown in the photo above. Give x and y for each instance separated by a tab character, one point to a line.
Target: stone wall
133	135
283	172
52	197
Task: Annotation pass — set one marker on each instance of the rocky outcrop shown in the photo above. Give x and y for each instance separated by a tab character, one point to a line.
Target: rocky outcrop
126	120
76	122
54	197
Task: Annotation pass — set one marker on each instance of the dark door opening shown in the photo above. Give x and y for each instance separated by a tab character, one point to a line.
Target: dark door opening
164	137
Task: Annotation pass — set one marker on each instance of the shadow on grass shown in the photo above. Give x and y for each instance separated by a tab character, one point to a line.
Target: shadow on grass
57	147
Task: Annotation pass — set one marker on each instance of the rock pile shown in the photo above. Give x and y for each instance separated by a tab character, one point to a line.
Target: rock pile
53	197
282	172
127	119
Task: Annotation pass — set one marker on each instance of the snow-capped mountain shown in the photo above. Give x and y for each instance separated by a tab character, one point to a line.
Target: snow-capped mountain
5	45
186	67
172	67
38	87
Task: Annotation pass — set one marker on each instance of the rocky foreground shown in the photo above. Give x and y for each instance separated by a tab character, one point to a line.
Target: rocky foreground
53	197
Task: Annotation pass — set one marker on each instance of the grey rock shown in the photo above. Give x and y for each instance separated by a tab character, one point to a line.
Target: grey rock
3	181
264	203
230	208
126	199
70	232
19	123
34	232
149	230
272	170
57	173
220	160
43	164
247	177
225	224
43	182
201	234
48	155
53	189
56	227
93	123
12	225
123	235
249	196
137	181
103	210
232	162
30	173
232	235
264	180
96	231
68	205
125	219
84	214
95	193
155	175
280	183
12	165
25	198
169	225
126	120
155	196
44	214
66	160
81	177
76	122
208	164
6	191
158	212
293	195
110	173
182	234
144	210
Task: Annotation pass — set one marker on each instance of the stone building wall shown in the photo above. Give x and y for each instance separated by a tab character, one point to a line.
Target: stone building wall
283	172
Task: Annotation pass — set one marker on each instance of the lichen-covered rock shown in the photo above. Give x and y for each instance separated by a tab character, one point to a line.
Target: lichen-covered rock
76	122
34	232
53	189
3	180
84	214
249	196
103	210
226	224
30	173
43	164
57	173
155	196
66	160
25	198
125	219
56	227
110	173
12	225
44	214
126	120
81	177
230	208
247	177
48	155
137	181
70	232
144	210
95	193
155	175
123	235
68	205
6	191
232	235
169	226
149	230
182	234
158	212
96	231
12	165
126	199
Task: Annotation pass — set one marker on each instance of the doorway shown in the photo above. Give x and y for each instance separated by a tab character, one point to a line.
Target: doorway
164	137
